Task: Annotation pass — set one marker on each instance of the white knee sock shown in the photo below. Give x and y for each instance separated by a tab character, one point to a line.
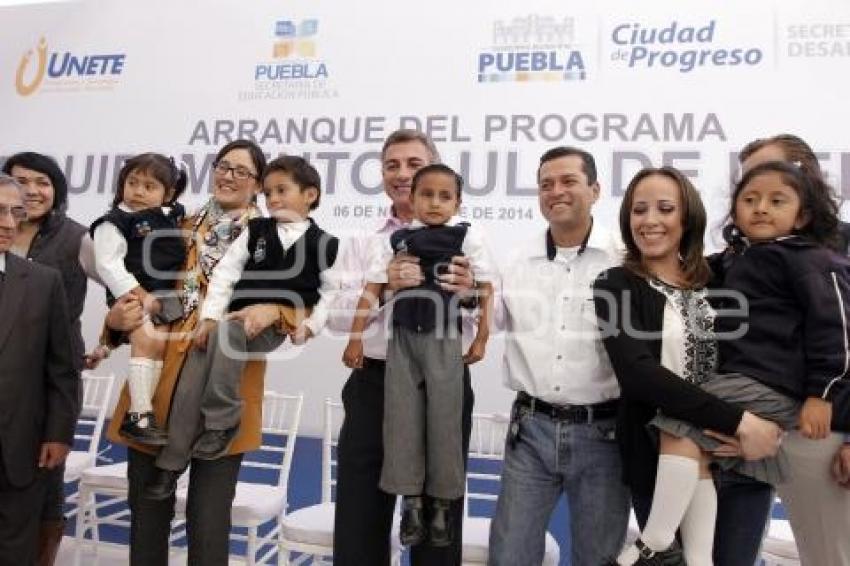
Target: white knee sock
675	483
154	375
697	526
138	379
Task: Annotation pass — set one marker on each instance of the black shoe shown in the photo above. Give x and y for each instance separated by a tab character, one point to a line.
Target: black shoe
142	428
163	485
412	531
212	444
672	556
440	526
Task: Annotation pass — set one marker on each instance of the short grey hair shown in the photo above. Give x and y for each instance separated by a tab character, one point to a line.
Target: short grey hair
9	180
408	135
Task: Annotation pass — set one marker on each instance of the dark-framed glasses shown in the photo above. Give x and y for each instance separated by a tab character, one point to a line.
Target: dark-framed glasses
239	172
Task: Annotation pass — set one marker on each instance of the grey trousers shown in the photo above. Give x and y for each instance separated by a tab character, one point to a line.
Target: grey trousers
818	508
207	393
423	402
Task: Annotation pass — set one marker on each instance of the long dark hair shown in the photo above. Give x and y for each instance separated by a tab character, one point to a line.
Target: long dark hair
815	204
695	269
158	166
45	165
795	150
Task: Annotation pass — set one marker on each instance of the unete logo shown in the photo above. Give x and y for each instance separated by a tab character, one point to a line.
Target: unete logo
60	65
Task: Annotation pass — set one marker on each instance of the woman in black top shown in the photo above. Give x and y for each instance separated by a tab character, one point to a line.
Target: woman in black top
662	221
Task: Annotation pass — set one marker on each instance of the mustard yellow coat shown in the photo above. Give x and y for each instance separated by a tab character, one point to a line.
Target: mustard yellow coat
249	435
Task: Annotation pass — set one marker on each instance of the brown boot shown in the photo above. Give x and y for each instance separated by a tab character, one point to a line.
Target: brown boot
49	538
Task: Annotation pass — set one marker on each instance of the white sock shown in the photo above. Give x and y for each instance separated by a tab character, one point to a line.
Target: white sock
156	371
139	382
675	483
697	526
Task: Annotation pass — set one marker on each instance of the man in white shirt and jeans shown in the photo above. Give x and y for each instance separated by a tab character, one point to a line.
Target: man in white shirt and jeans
561	436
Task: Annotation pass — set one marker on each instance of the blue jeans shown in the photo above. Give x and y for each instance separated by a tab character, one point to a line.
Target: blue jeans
743	507
549	457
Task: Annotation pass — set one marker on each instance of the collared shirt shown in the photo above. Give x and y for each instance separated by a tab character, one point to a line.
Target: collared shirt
110	248
3	262
553	349
353	261
229	270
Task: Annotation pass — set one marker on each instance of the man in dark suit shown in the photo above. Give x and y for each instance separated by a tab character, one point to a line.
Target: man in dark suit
39	385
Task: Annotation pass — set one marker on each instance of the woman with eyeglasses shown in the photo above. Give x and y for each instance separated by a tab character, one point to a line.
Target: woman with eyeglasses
49	237
212	483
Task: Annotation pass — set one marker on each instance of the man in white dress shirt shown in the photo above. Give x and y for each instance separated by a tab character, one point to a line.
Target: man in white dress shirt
561	438
364	513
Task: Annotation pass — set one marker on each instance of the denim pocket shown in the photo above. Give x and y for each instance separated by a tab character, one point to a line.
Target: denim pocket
605	430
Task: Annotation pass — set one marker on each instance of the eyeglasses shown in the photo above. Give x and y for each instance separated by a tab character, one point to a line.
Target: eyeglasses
18	213
239	172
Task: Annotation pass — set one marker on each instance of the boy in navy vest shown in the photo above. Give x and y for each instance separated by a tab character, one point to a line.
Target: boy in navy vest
286	260
423	451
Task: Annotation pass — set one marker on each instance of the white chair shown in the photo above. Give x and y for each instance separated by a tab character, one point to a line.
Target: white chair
96	394
309	531
103	501
486	454
256	504
779	547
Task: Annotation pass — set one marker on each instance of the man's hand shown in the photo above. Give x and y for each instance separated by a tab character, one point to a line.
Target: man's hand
458	277
256	318
93	358
759	437
815	418
403	272
301	335
841	466
476	351
126	314
352	357
730	447
52	454
202	333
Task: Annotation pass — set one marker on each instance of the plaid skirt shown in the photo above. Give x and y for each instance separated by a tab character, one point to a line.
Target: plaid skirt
755	397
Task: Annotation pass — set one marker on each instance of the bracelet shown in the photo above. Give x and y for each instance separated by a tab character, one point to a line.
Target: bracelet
105	349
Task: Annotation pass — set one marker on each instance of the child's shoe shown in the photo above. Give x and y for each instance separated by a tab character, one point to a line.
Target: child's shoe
412	531
163	485
142	428
440	526
213	444
672	556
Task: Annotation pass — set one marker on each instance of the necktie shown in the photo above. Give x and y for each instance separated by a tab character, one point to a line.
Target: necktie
2	281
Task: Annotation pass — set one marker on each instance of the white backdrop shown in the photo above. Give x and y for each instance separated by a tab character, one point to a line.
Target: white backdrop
495	83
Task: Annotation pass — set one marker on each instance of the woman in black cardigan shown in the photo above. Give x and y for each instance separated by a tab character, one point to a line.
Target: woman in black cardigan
630	305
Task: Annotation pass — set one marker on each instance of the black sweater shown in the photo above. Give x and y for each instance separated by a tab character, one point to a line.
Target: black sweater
797	306
626	301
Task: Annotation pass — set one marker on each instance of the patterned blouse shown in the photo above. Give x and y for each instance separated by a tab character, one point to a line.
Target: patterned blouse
696	353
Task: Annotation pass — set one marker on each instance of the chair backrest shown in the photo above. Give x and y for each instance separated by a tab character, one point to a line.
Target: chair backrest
334	414
272	462
486	454
96	394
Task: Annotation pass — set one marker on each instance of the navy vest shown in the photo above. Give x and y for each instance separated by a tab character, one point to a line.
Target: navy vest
285	277
422	308
167	253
